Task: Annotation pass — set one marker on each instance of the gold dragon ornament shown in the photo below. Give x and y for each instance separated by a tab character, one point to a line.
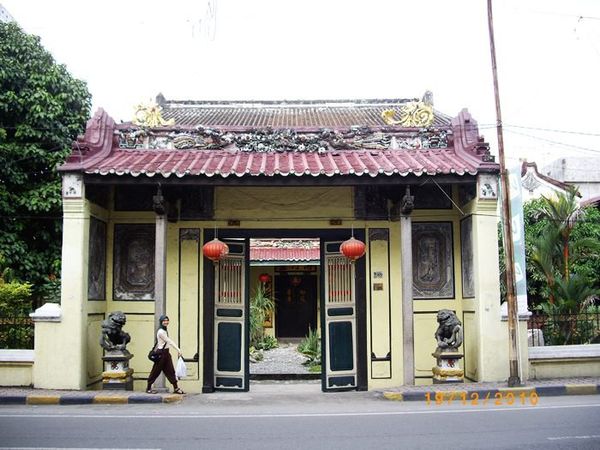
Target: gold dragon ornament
150	115
412	114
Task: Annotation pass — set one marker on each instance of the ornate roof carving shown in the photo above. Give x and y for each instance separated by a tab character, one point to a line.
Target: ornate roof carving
150	115
282	140
279	139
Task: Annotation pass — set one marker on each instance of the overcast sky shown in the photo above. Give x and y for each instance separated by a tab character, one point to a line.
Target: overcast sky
548	57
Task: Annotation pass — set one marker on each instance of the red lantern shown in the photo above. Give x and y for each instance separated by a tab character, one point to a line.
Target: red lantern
215	250
353	249
264	278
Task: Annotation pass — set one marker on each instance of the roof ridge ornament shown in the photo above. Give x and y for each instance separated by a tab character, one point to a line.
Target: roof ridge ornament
284	139
412	114
149	115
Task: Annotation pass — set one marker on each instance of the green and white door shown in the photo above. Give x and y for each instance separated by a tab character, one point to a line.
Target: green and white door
230	320
339	330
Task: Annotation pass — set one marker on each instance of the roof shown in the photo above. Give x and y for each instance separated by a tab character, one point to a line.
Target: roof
531	178
284	250
231	140
233	163
591	202
285	113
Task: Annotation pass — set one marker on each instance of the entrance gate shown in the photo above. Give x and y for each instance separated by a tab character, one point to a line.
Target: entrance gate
230	319
339	331
343	315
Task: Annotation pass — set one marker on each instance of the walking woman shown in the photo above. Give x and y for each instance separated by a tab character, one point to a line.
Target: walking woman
164	363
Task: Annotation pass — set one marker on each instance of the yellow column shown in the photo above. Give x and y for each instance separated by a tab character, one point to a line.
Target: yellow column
492	352
60	343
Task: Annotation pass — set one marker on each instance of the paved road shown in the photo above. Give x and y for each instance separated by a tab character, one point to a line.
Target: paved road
307	421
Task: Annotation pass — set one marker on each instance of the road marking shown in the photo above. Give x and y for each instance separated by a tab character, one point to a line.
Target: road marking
160	416
73	448
563	438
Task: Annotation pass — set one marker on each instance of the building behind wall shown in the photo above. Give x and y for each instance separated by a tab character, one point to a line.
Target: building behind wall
581	172
418	187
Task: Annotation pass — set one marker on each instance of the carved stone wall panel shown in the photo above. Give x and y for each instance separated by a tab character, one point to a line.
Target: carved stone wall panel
97	260
134	262
466	255
487	186
433	263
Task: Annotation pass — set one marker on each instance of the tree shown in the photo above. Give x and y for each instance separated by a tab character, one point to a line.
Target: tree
42	110
562	213
562	244
558	251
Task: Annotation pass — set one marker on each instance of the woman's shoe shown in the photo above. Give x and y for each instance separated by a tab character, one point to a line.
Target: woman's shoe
151	391
178	391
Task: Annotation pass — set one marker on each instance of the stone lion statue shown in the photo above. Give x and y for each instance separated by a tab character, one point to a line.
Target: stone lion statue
449	334
113	337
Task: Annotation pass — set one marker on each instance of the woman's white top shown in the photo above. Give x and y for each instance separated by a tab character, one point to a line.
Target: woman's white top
164	341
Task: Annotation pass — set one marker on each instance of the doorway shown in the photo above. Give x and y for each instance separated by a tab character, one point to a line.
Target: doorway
341	311
296	306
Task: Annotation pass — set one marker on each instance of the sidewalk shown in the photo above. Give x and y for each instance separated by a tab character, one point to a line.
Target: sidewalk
541	388
469	391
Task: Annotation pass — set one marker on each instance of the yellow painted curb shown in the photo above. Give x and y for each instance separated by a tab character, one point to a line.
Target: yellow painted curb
110	399
173	398
581	389
397	396
43	399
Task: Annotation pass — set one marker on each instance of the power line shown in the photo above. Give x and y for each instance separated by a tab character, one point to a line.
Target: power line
580	133
550	141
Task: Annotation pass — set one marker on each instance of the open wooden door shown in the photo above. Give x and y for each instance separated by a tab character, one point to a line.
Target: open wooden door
231	320
339	330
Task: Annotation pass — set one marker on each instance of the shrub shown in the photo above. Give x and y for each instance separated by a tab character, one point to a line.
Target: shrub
267	343
261	304
311	348
15	299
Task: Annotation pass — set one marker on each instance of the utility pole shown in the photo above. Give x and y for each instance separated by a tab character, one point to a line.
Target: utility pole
513	359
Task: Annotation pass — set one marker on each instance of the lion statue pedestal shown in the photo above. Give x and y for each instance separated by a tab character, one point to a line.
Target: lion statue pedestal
117	373
449	338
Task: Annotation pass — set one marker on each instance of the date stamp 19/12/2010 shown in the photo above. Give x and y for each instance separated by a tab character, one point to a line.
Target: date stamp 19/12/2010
504	398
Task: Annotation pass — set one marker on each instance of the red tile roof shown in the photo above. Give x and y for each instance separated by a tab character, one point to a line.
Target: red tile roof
296	250
227	151
284	254
225	163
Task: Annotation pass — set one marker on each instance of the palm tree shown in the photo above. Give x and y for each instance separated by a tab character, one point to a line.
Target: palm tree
543	256
562	212
555	251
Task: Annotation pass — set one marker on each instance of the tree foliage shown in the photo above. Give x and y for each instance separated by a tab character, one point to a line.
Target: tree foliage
42	110
561	245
